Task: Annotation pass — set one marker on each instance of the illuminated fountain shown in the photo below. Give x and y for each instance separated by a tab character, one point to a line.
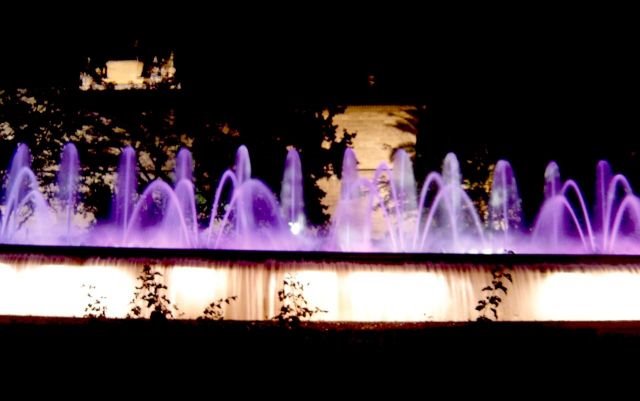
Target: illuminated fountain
427	263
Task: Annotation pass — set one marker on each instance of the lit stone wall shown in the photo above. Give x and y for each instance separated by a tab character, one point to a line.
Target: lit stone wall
379	129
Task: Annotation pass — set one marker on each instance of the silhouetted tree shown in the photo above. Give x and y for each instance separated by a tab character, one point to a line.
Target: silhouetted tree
47	119
43	120
268	132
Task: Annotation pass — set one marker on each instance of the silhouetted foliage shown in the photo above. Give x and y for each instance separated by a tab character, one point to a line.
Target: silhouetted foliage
268	131
294	307
157	126
493	293
215	310
46	119
150	299
96	307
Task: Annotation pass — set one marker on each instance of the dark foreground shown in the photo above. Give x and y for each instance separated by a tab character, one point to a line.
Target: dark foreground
266	358
228	339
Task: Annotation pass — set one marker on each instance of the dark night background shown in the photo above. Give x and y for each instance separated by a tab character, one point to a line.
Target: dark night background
522	85
526	85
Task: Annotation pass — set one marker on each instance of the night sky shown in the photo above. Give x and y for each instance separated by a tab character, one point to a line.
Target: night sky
561	73
538	78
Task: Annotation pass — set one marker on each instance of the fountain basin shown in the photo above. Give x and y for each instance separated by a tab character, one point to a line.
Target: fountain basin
359	287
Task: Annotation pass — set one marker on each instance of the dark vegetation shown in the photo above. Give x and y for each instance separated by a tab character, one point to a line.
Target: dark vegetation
509	91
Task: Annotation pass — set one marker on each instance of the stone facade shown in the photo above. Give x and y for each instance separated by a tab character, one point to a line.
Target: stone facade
380	129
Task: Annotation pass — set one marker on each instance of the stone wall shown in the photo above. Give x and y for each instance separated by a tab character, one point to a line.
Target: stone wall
379	130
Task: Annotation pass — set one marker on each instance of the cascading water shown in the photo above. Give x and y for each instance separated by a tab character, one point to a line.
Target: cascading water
372	281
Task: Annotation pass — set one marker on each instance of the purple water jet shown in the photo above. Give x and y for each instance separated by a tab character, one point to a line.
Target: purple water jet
291	193
442	218
126	188
68	183
354	265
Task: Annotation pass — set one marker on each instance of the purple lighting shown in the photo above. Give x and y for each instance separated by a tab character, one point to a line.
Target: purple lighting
381	214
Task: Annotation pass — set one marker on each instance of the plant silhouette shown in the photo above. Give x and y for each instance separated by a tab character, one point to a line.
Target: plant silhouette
150	299
96	307
294	306
215	310
492	298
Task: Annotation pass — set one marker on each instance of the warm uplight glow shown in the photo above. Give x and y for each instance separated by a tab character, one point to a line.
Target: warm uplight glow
60	290
397	296
123	72
347	291
321	289
193	288
130	74
589	296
